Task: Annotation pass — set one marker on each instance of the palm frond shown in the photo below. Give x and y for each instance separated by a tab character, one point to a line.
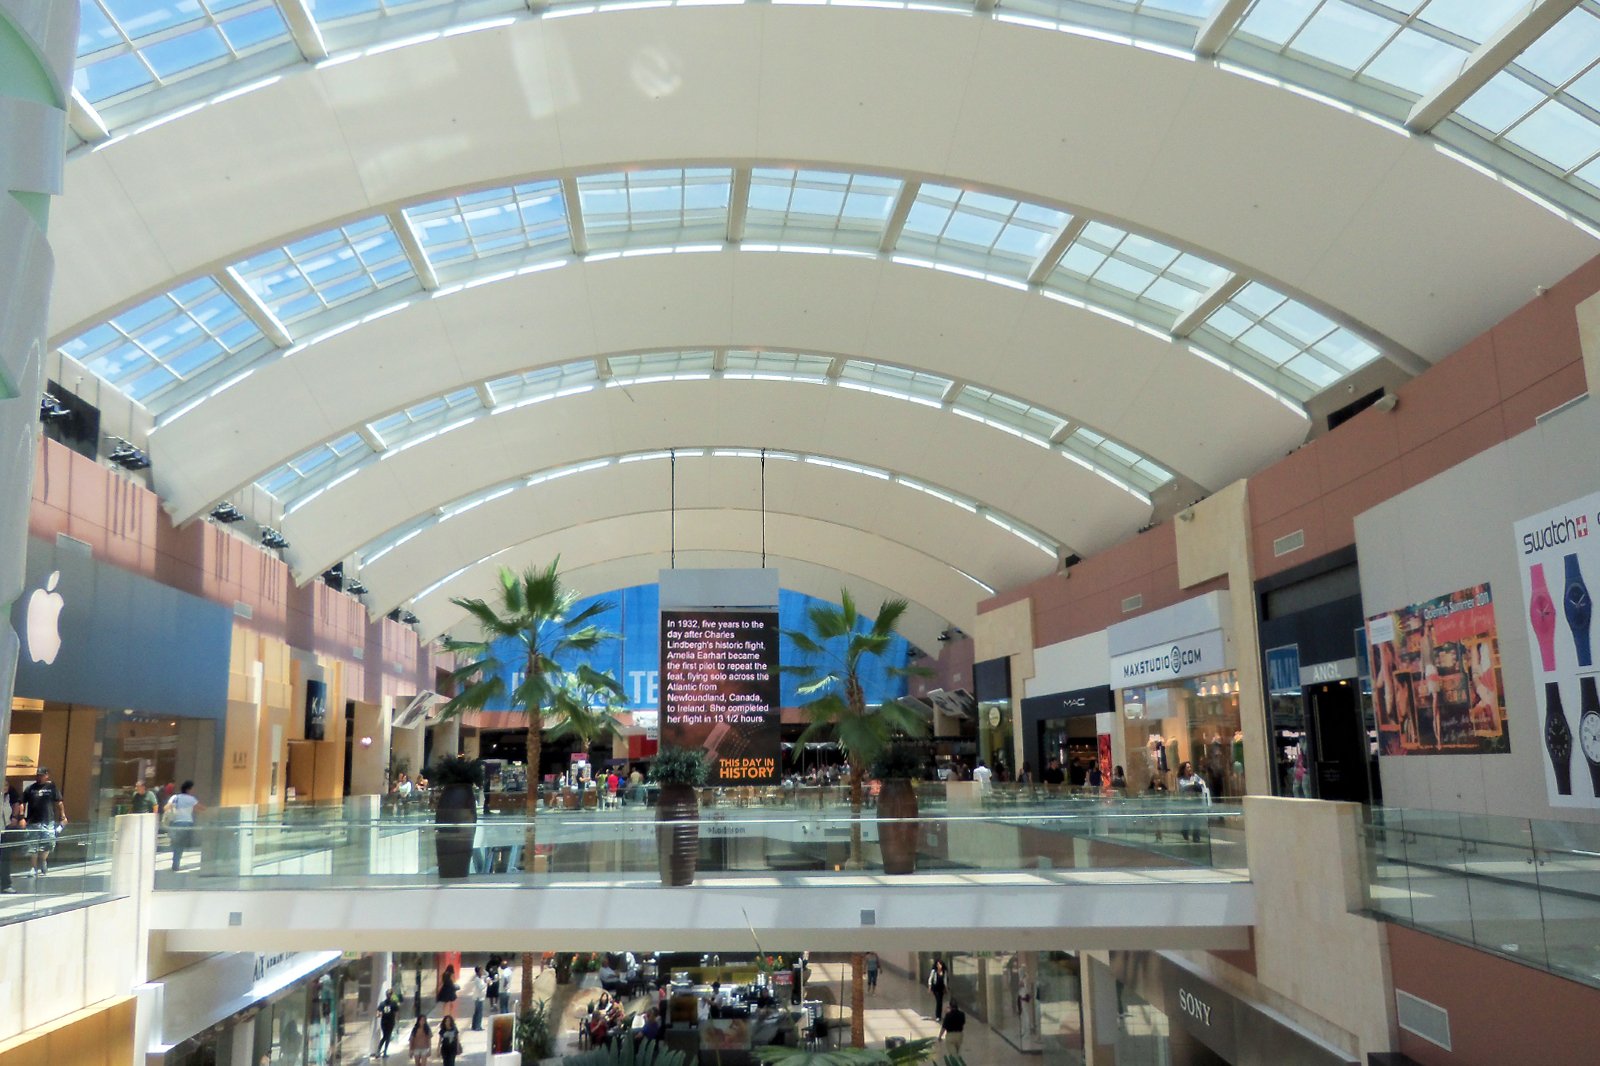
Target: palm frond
804	642
889	614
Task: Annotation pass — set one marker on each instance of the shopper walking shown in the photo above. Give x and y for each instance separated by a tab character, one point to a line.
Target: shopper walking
1191	784
449	1040
936	985
47	813
473	986
181	810
143	800
953	1027
421	1041
446	996
491	986
872	973
388	1013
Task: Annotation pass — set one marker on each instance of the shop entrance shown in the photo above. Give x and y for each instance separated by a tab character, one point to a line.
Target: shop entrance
1339	741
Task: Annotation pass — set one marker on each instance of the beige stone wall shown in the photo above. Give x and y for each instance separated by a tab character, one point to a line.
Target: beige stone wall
1214	541
1008	630
1316	962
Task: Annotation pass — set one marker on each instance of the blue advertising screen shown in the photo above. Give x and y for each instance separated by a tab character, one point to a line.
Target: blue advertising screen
635	658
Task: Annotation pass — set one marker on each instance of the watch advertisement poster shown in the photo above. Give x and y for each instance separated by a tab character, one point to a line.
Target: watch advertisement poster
1436	677
719	691
1558	554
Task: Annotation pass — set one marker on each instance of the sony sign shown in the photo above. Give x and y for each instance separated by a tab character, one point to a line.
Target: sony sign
1194	1006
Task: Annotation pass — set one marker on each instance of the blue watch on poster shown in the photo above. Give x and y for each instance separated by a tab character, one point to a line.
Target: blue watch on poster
1578	609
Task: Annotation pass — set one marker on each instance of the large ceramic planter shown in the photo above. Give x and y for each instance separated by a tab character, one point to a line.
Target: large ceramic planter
897	826
456	820
677	834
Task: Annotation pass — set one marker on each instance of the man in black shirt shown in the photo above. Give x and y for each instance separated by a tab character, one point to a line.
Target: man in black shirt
46	814
954	1026
1053	774
388	1012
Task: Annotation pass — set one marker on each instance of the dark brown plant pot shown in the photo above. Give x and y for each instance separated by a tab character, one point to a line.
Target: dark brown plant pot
897	827
677	834
456	820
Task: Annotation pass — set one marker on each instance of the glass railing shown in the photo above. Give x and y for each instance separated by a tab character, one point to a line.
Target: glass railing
42	871
1523	888
1149	840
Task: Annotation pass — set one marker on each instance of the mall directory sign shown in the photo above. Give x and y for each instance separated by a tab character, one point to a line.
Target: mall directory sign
719	691
1559	555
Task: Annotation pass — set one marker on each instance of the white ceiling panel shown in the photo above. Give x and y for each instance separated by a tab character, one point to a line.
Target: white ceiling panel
892	565
1079	508
1055	355
894	513
859	88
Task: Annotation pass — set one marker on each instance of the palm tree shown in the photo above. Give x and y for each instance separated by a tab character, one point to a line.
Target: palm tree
536	613
838	650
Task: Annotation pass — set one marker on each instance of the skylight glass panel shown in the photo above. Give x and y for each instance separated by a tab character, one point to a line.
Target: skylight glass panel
896	381
1140	471
992	407
818	206
428	415
328	269
528	221
660	366
776	366
977	229
1277	331
546	383
315	467
169	339
655	207
1409	45
1159	278
126	46
1545	107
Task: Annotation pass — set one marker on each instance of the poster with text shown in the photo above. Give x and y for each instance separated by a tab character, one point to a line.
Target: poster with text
1558	555
1436	677
719	691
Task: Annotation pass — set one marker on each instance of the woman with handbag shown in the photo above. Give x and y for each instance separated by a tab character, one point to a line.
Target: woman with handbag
449	1040
446	996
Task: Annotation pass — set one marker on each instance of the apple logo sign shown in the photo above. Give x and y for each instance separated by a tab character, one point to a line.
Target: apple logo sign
44	618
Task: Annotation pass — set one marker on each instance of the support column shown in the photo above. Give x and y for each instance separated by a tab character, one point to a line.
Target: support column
1214	541
37	45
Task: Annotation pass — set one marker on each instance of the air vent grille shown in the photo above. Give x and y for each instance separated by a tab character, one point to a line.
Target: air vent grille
1427	1020
1293	542
1133	603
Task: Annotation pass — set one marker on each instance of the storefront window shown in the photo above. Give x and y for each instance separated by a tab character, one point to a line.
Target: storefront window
1060	1009
1143	1038
1194	720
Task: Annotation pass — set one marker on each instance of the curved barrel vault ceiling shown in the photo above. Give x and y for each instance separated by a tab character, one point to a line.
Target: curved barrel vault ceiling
847	551
1391	235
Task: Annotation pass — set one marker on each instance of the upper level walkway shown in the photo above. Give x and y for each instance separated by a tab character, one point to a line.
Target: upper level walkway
1056	873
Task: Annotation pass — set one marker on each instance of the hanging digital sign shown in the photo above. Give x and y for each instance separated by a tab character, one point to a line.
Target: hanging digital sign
719	691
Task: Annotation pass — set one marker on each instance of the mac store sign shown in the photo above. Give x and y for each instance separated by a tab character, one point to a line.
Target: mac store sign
98	635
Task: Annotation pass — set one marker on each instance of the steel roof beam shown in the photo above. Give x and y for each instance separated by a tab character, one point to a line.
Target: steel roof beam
1489	59
1220	293
1216	30
897	217
738	204
411	245
85	120
569	199
1052	255
231	283
304	29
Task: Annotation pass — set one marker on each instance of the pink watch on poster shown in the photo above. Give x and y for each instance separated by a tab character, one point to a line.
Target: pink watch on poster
1542	613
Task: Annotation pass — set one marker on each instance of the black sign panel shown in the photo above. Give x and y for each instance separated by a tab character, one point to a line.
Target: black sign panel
719	691
1096	700
316	710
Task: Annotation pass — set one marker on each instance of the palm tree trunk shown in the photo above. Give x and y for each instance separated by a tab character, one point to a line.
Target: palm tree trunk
535	749
858	1000
856	803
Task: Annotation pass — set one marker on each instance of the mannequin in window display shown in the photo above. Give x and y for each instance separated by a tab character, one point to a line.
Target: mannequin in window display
1431	679
1216	762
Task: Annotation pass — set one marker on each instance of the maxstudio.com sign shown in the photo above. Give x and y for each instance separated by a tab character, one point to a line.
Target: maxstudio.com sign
1186	657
